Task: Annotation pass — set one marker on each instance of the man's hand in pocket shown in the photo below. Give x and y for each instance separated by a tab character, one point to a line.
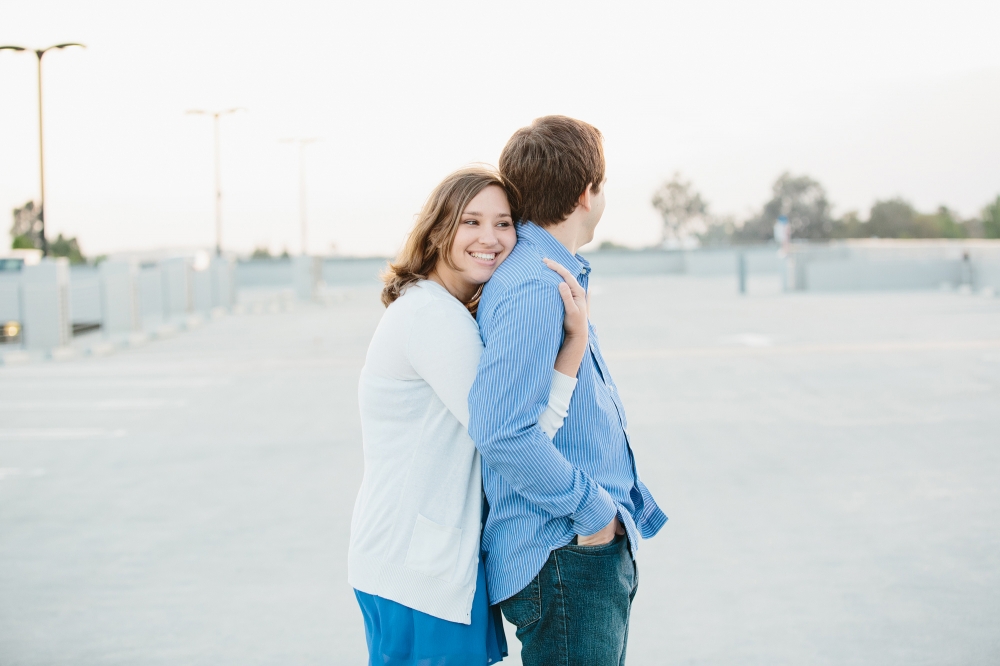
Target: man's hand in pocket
605	535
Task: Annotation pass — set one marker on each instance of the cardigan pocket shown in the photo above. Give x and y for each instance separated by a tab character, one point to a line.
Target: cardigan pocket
433	549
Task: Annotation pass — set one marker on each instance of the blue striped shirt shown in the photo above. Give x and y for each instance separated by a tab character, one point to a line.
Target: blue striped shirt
544	492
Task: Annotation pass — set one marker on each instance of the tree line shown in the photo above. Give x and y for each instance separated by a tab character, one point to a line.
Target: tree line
26	234
804	203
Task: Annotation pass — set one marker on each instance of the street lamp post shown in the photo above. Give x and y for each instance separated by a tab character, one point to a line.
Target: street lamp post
302	142
41	143
218	170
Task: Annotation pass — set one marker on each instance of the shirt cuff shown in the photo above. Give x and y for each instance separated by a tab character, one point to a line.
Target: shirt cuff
561	392
595	513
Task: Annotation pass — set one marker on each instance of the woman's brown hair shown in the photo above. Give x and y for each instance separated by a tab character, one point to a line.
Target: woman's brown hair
434	231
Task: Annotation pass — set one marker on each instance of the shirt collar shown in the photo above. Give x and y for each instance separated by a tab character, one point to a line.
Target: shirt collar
552	248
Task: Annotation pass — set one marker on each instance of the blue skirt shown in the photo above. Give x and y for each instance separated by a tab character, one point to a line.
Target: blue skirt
401	636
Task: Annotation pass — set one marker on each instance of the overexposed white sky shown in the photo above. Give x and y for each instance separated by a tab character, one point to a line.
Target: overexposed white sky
874	99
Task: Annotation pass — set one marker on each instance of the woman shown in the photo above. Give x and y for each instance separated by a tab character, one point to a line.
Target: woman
414	558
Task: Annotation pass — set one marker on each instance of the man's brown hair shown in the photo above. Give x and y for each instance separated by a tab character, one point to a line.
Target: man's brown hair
550	163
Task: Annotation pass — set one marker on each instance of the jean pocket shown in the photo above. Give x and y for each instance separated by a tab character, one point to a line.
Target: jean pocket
608	548
525	607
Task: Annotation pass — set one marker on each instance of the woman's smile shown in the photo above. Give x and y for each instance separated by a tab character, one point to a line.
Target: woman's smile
486	258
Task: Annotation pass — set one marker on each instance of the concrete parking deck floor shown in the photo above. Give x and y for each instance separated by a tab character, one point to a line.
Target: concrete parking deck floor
830	465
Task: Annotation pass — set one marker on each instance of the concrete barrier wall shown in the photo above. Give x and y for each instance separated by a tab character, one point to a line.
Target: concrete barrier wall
223	271
263	273
348	271
716	262
150	286
120	297
45	304
307	275
169	289
355	271
10	296
706	262
177	287
765	261
125	297
987	275
338	271
201	291
986	265
85	294
864	274
639	262
725	261
893	264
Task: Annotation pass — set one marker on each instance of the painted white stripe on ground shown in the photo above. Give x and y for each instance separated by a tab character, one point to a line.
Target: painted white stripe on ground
89	405
8	472
847	348
59	433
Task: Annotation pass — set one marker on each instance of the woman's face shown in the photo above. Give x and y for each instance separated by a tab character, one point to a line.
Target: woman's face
484	238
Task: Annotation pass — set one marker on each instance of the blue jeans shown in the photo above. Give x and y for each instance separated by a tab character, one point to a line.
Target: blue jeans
576	610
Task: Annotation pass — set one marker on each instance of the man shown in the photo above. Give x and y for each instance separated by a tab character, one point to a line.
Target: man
565	515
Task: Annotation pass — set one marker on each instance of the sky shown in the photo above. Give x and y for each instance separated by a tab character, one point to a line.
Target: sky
874	99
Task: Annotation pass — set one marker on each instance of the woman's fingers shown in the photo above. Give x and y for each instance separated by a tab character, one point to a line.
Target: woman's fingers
566	275
558	268
568	300
574	299
574	285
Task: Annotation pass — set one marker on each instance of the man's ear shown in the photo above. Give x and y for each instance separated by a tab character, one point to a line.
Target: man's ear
586	200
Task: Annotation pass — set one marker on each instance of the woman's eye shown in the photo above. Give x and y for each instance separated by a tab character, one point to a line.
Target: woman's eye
471	222
503	224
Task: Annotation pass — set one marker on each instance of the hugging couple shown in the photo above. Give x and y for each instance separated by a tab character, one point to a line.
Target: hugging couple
499	475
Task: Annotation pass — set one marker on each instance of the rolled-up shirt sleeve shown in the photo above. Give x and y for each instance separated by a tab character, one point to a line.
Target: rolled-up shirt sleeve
522	335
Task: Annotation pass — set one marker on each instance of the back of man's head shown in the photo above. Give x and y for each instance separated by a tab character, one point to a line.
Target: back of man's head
550	163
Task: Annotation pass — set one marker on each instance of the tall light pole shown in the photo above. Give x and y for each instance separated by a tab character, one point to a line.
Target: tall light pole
41	143
218	170
303	142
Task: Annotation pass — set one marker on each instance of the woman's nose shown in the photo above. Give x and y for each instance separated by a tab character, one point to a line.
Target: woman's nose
488	236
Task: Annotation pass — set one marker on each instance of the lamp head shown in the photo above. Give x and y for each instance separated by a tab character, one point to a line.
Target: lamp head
41	52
